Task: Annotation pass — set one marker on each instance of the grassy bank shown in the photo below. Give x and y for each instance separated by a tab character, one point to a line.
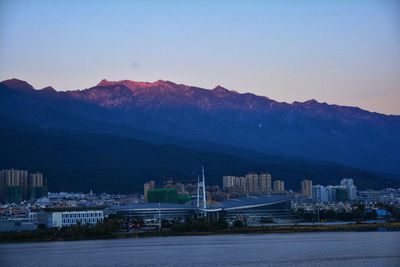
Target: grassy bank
42	236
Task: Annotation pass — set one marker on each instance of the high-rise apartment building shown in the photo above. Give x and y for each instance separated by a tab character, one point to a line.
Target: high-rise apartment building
350	188
338	193
352	192
227	181
347	182
331	192
242	185
16	186
14	177
36	179
319	193
306	188
148	186
252	183
234	184
341	193
279	186
265	182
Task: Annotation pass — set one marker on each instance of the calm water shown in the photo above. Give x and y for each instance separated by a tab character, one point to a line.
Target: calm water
304	249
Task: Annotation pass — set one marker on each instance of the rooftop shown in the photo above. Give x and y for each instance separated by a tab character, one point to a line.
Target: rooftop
239	203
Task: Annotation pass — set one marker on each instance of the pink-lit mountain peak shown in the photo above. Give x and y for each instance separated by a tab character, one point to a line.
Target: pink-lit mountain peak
307	103
48	89
18	84
165	86
219	88
177	94
133	85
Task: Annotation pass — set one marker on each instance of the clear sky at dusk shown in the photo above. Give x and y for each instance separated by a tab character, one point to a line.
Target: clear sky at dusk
343	52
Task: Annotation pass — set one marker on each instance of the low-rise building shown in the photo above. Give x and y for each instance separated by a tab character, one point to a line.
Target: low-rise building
65	217
16	225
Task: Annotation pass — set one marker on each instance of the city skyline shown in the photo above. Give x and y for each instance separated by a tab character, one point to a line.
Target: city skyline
185	133
342	53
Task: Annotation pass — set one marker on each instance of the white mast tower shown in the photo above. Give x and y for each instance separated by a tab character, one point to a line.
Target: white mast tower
204	189
201	184
198	192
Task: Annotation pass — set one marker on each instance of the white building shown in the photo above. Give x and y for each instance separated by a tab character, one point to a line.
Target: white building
351	192
350	188
331	191
347	182
58	218
319	193
33	216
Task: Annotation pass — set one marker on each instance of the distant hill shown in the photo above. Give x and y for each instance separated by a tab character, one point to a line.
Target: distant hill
190	125
310	130
74	161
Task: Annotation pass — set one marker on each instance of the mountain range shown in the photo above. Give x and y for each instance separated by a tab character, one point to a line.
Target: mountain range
240	132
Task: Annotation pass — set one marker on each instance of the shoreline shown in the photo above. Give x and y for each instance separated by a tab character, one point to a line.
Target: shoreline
7	238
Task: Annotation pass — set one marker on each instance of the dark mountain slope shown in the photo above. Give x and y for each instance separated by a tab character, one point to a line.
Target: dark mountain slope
76	161
310	130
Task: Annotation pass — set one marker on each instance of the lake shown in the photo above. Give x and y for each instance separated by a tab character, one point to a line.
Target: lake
294	249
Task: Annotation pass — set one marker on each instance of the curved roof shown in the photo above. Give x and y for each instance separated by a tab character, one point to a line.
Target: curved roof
251	202
231	204
153	206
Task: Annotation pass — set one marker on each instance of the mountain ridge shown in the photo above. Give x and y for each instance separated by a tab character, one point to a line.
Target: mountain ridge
131	84
311	130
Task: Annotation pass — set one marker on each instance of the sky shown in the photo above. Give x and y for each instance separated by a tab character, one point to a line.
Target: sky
343	52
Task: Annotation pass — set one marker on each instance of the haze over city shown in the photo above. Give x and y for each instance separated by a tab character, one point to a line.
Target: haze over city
342	52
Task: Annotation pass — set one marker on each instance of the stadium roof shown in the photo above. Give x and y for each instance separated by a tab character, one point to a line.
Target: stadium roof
153	206
250	202
231	204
